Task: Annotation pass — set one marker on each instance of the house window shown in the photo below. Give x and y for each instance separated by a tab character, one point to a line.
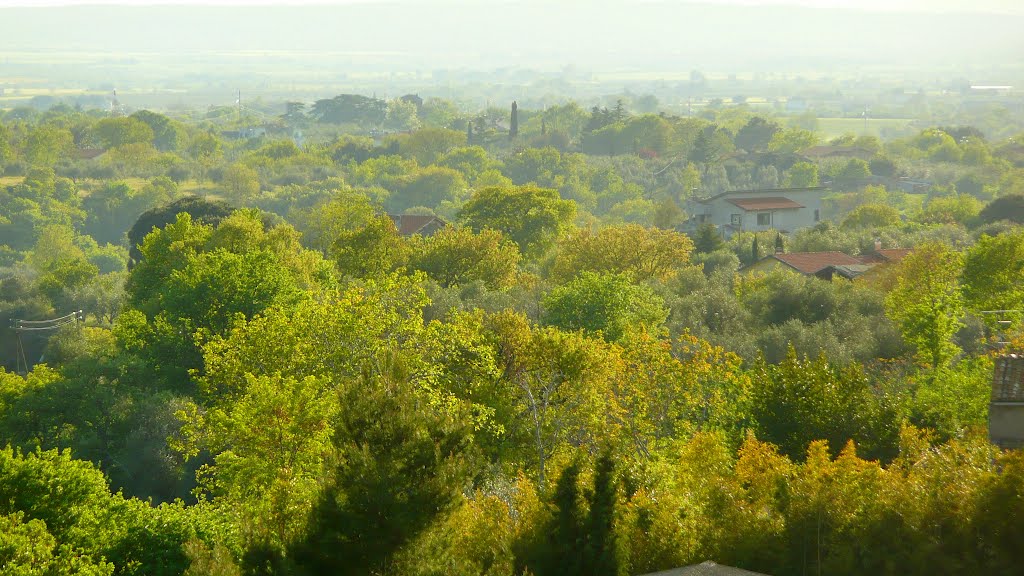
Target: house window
764	218
736	219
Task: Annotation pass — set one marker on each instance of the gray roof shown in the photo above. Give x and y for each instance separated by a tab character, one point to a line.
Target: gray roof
707	568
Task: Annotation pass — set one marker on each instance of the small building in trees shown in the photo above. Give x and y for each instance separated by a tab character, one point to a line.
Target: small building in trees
1006	409
782	209
831	265
413	99
807	263
412	224
707	568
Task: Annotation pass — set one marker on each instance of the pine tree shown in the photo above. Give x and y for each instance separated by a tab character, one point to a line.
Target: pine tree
707	239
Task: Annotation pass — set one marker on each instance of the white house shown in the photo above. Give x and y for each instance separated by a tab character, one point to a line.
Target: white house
782	209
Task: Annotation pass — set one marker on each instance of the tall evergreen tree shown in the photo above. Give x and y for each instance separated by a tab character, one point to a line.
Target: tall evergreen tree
513	129
603	551
707	239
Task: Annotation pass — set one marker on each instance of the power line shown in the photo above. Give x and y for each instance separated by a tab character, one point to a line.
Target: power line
23	326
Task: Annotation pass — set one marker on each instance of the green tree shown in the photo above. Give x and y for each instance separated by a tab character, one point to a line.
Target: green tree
455	256
756	134
792	140
205	150
926	303
427	145
993	274
270	444
399	466
800	400
45	145
871	216
114	132
241	184
531	217
6	151
200	211
27	548
639	252
371	250
708	239
324	222
800	175
1009	207
955	209
611	304
401	115
167	136
855	169
470	161
431	187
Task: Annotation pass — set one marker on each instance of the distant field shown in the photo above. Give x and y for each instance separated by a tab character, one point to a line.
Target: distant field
881	127
10	180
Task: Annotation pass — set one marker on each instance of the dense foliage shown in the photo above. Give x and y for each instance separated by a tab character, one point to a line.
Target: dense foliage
275	376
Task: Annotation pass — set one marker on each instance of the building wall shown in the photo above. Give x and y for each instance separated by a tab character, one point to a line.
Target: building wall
1006	424
720	212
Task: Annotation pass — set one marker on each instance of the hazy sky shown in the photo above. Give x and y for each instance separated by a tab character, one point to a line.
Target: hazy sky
998	6
650	35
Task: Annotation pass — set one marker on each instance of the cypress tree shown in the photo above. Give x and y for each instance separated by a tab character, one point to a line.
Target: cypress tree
513	130
469	132
755	252
603	552
566	540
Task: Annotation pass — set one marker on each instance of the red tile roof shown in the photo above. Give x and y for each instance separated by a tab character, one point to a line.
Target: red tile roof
811	262
1008	379
893	254
770	203
882	255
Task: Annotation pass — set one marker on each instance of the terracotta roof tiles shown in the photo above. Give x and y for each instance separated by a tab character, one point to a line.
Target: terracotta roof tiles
811	262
